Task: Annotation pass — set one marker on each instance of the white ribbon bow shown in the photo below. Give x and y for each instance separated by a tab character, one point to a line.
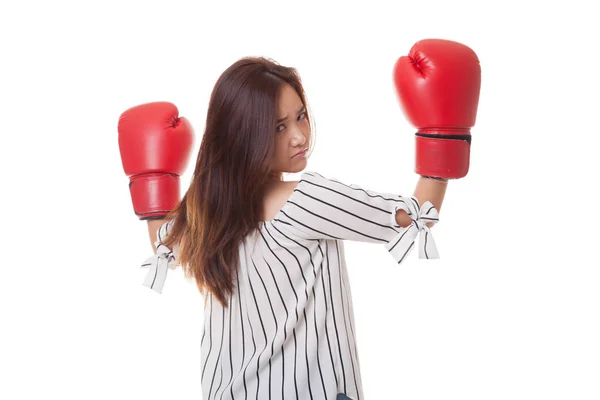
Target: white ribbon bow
159	263
402	244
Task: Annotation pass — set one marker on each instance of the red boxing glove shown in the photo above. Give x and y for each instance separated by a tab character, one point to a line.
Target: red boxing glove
438	87
155	145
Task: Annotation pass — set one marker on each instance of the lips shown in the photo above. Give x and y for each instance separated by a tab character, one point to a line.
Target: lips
303	151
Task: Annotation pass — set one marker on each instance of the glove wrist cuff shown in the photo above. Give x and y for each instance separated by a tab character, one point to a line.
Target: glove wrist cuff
442	157
154	195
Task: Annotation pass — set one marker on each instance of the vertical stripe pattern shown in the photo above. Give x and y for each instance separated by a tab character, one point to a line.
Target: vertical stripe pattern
289	331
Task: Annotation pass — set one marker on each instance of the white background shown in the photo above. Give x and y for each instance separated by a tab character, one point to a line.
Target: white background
510	311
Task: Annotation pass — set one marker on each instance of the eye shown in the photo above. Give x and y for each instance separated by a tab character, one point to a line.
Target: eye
302	114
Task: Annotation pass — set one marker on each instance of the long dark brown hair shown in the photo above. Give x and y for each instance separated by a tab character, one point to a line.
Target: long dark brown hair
224	201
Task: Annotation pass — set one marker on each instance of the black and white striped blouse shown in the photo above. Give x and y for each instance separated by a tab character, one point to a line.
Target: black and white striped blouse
288	331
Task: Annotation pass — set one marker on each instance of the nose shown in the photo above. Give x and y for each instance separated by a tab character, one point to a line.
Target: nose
299	137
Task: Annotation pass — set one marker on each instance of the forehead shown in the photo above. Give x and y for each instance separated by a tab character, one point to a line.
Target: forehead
288	99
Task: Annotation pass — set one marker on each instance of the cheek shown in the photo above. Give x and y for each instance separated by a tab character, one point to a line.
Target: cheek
275	152
280	149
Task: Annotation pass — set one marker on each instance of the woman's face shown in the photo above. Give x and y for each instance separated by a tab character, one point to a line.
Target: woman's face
292	133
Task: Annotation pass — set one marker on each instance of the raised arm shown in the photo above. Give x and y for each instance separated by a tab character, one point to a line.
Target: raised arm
155	145
438	87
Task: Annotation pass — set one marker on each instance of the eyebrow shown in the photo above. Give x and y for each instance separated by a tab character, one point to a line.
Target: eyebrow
284	118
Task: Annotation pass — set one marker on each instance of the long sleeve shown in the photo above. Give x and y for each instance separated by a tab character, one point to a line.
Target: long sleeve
159	263
326	208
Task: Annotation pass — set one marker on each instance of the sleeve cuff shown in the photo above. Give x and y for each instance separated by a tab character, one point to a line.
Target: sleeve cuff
159	263
403	242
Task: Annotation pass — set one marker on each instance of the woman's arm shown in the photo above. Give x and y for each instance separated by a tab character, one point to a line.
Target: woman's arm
427	189
153	226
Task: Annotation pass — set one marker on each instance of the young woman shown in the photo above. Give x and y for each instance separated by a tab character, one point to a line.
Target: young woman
267	254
